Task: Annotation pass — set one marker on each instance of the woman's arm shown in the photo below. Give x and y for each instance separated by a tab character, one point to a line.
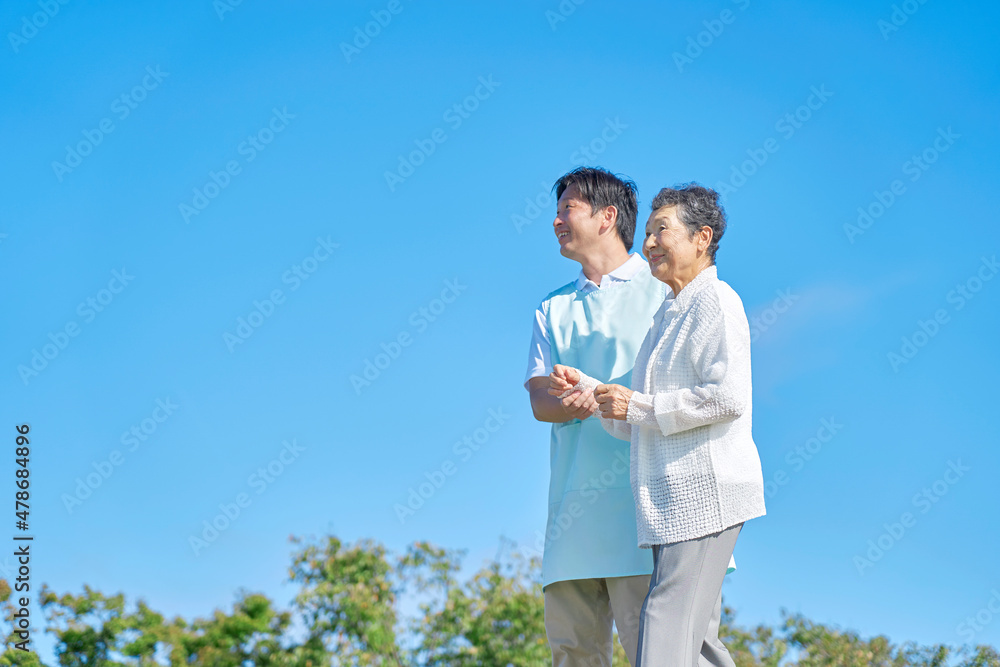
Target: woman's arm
721	358
616	427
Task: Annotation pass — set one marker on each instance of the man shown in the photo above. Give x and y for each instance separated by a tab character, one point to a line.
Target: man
593	571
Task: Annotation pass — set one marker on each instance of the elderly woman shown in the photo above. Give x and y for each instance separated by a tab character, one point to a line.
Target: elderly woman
696	475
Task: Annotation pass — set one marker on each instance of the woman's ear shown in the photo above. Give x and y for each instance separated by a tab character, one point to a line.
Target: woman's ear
705	238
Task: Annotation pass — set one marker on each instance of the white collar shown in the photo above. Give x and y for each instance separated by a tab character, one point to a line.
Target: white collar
704	277
627	271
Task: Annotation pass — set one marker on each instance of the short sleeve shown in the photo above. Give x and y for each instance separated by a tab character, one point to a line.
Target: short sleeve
540	351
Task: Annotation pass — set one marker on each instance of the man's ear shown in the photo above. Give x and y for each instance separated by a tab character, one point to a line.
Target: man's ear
609	218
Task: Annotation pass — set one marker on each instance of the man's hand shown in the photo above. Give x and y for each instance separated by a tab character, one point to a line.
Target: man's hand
562	379
578	405
612	400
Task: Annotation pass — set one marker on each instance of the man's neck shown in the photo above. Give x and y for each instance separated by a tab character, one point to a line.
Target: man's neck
601	264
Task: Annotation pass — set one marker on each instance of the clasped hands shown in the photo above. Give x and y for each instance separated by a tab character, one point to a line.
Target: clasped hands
610	399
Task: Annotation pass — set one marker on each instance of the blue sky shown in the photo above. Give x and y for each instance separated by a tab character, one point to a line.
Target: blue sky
226	163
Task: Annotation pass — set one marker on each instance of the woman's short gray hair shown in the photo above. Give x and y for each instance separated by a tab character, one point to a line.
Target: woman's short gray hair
697	207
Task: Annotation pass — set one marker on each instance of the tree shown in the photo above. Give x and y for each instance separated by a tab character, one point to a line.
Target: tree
348	608
497	618
348	601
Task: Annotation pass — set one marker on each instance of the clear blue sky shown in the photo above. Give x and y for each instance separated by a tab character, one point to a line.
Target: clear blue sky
244	138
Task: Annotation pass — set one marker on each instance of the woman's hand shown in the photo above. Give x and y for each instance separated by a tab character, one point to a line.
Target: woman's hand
578	405
612	400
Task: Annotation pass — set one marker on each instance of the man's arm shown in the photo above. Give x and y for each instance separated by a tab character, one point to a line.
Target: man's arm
545	406
548	408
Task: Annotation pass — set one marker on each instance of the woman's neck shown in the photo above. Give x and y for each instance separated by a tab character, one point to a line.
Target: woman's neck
677	284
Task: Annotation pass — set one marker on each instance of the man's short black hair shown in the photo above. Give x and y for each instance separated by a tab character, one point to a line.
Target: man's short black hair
600	188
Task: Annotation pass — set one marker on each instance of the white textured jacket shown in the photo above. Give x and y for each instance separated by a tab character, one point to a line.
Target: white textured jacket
694	466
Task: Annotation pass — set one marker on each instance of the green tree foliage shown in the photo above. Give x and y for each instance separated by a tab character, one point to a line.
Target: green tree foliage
347	612
348	601
497	618
802	643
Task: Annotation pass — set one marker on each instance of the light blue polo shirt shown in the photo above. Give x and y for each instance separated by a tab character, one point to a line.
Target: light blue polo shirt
591	526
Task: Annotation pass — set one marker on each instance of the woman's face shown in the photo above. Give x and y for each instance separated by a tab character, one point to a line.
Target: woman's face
675	255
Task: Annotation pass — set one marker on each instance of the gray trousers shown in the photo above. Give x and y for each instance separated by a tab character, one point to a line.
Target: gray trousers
679	622
579	614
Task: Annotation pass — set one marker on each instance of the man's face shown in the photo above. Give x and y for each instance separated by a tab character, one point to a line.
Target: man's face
576	228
